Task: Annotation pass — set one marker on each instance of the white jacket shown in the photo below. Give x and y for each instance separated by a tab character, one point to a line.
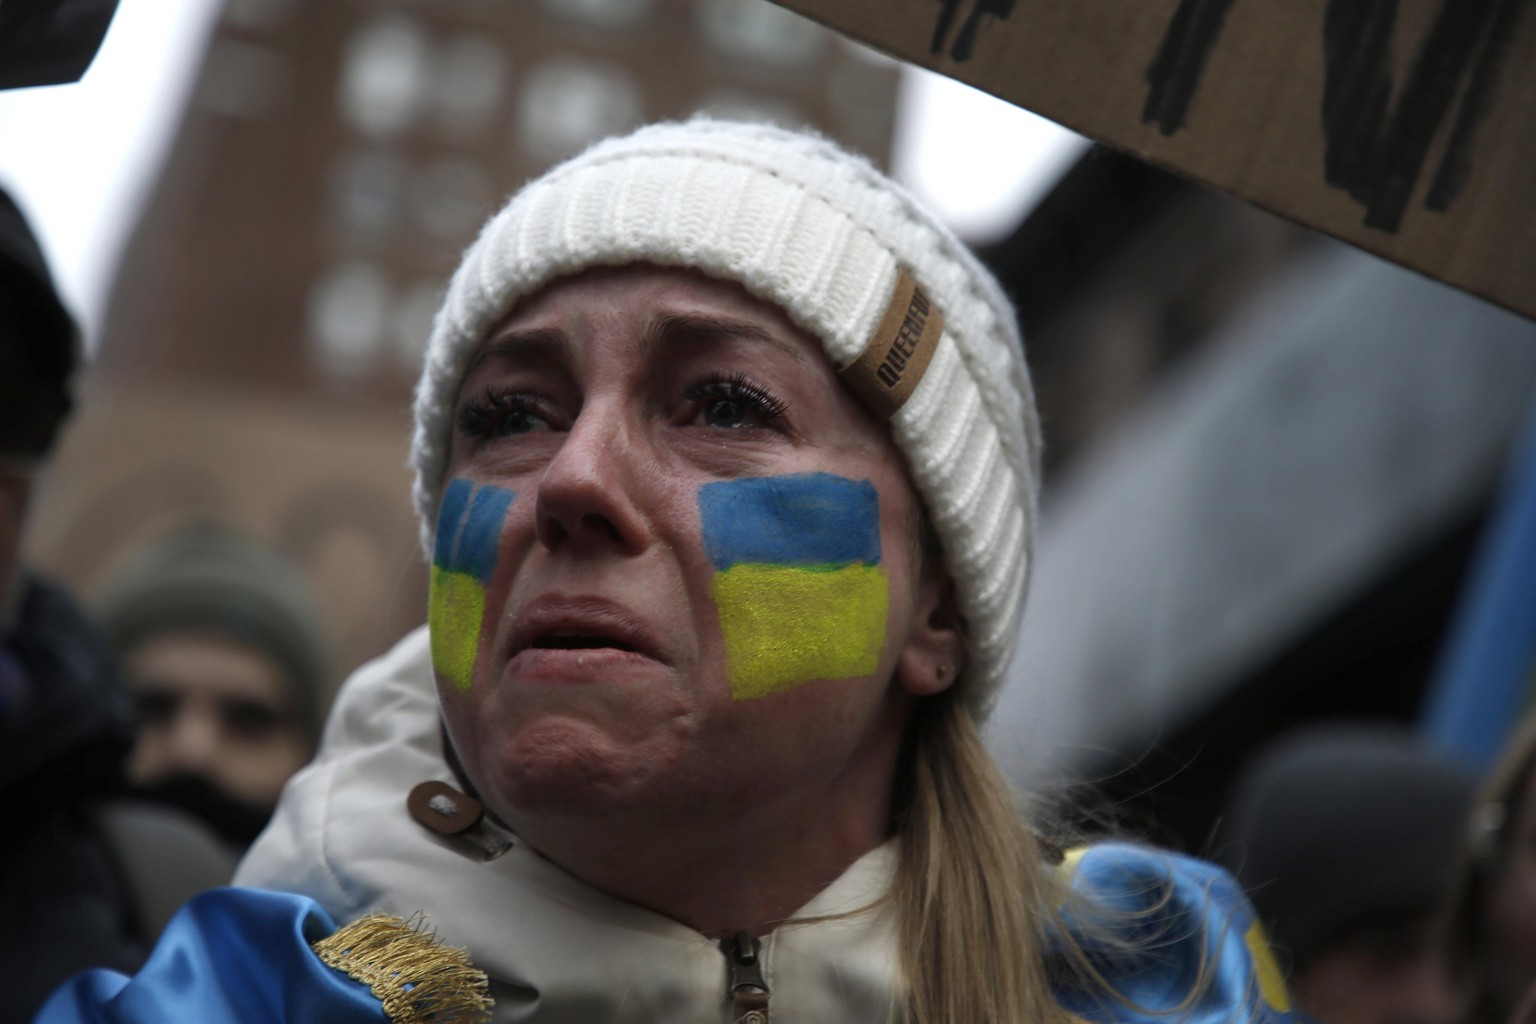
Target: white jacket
556	949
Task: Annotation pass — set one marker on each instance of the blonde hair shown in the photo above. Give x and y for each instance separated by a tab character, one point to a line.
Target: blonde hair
973	888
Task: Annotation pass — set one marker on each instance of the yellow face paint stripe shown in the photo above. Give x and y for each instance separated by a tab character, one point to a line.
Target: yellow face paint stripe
784	626
454	614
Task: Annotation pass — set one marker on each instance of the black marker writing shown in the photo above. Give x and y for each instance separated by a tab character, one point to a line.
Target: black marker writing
964	45
1175	71
1375	146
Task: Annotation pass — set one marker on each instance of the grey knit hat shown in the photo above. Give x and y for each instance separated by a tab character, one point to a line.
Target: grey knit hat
912	320
1335	824
210	581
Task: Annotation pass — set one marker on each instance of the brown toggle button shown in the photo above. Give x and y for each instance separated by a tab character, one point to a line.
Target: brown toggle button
443	809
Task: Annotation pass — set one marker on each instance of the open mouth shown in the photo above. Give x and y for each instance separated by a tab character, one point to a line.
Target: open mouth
582	623
579	642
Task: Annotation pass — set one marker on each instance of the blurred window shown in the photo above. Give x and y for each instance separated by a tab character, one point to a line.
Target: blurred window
365	193
602	13
450	199
257	15
242	80
470	83
862	98
741	105
567	104
347	312
759	31
412	324
385	75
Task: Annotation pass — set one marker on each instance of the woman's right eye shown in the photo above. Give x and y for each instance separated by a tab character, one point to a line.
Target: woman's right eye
502	414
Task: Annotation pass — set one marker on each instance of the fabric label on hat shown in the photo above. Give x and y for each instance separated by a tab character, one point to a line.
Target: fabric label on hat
890	366
468	533
798	585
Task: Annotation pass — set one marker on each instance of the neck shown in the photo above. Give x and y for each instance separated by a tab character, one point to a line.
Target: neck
721	873
735	885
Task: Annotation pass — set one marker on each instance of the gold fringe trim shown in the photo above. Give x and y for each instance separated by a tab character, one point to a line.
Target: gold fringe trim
418	979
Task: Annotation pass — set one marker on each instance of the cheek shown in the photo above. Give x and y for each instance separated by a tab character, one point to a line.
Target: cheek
262	768
463	561
461	709
798	583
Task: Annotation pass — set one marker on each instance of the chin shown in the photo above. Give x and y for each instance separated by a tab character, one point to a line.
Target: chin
565	767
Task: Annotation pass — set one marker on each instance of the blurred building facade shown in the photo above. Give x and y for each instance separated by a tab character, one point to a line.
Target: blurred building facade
270	312
1270	461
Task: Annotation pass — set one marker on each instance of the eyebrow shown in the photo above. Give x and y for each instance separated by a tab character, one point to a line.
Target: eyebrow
518	345
709	327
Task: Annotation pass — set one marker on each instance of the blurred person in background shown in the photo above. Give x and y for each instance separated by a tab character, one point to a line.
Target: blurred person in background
85	879
1345	837
221	647
1492	920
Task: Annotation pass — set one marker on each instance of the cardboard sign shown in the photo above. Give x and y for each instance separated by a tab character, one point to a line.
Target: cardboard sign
1407	127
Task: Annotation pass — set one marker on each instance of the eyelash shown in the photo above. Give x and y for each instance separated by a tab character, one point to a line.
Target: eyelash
483	414
738	387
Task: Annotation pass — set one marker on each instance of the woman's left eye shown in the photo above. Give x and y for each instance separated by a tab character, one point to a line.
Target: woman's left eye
734	403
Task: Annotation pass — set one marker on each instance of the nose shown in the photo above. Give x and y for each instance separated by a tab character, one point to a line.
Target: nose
195	738
587	495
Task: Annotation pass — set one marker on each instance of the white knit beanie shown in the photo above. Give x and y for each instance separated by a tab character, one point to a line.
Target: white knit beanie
821	234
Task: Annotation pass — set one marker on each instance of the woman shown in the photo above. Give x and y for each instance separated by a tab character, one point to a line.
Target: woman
1492	925
726	459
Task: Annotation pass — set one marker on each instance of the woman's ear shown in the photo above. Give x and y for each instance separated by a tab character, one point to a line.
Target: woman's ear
935	650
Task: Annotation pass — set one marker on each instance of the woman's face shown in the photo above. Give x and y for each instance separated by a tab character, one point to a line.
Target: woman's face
677	566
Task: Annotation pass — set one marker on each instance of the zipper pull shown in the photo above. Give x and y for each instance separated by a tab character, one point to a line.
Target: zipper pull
748	990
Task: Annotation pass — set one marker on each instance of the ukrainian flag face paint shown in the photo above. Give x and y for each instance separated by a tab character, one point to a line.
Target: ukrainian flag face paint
798	583
463	559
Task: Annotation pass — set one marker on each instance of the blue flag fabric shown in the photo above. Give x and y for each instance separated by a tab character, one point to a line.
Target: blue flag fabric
1487	678
1149	924
230	956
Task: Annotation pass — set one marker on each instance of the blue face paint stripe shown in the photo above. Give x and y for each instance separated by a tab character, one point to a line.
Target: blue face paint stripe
450	520
475	552
799	519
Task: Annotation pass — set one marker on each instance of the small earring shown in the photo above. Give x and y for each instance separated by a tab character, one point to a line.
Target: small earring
942	672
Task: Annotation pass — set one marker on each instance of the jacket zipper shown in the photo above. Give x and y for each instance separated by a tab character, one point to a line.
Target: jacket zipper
748	991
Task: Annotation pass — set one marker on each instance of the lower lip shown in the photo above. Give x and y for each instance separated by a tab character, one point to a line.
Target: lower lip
580	665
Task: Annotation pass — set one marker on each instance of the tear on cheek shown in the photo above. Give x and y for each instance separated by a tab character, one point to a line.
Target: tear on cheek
799	588
463	561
